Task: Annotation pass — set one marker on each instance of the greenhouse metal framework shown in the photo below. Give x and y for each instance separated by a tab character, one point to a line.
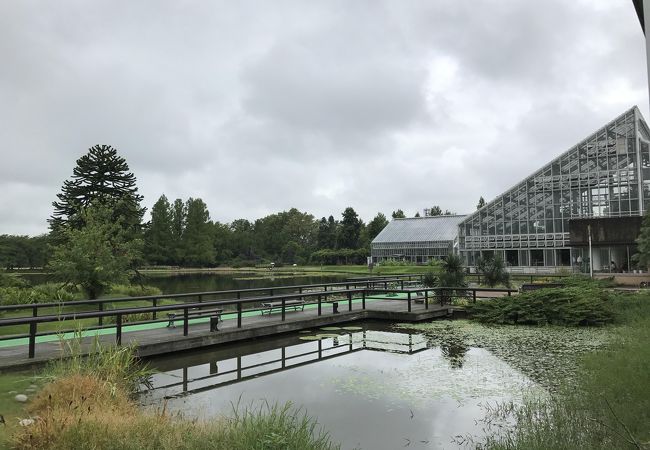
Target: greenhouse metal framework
587	192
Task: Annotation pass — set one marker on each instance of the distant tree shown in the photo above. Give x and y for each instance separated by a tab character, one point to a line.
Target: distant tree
333	226
417	214
350	229
494	271
222	239
435	211
376	225
481	203
242	239
23	251
159	235
197	240
399	214
100	253
100	177
642	257
178	216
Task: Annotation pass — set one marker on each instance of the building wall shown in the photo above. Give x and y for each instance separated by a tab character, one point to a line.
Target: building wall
417	252
605	175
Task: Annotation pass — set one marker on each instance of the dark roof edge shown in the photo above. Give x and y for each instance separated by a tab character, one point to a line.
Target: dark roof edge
638	6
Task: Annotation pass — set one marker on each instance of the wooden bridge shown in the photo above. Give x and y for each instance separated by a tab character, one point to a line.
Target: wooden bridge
399	298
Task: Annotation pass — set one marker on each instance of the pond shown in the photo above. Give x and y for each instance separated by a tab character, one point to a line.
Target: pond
177	283
377	385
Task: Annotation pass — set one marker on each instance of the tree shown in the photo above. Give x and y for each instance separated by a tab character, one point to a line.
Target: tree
417	214
350	229
376	225
642	257
494	271
453	272
100	177
197	240
399	214
179	215
435	211
481	203
159	236
97	255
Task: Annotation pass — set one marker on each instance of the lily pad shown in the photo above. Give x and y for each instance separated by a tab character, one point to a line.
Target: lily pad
328	335
309	338
330	328
350	328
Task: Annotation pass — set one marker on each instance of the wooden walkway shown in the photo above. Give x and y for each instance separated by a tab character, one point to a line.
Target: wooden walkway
162	340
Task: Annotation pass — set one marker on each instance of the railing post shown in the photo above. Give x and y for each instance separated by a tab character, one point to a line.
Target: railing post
238	315
186	321
426	299
473	295
319	305
363	299
283	305
409	301
154	303
385	285
200	298
301	299
118	329
349	301
509	293
32	338
401	284
270	292
100	320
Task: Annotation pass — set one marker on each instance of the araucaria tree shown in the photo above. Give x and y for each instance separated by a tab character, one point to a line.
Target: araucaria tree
97	255
100	177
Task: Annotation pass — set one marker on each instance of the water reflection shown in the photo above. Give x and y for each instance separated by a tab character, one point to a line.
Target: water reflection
372	388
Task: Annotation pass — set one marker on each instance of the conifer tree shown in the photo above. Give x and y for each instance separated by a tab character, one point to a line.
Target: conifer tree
159	237
197	241
100	177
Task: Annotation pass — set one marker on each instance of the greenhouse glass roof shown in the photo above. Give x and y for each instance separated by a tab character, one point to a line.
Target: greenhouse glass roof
417	229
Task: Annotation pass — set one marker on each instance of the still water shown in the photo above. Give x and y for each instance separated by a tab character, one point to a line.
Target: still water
371	385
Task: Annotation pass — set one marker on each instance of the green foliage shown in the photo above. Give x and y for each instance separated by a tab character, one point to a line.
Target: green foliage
494	271
100	176
97	255
396	263
42	293
133	290
159	243
399	214
574	305
23	251
350	229
197	244
112	364
642	257
481	203
607	408
430	279
12	281
453	272
340	256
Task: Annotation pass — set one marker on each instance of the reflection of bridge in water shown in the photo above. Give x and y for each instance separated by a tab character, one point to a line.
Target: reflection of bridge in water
261	361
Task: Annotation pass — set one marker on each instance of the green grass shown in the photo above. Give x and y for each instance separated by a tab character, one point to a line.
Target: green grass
609	405
87	403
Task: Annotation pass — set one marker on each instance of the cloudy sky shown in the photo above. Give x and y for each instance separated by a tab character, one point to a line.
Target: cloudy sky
259	106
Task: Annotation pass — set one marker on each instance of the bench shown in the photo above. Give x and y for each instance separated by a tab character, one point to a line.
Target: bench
269	307
213	313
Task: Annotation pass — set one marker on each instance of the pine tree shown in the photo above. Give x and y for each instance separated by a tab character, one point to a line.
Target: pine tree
399	214
179	214
197	241
159	236
350	229
481	203
376	225
100	177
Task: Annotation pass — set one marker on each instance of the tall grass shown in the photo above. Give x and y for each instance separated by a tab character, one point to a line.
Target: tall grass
88	404
608	407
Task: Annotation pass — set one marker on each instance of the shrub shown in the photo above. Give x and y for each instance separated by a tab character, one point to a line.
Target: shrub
430	279
494	271
561	306
12	281
42	293
133	290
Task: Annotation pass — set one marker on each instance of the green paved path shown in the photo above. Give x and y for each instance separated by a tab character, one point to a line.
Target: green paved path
153	326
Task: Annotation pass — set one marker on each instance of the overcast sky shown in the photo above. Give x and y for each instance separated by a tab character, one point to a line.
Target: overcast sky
259	106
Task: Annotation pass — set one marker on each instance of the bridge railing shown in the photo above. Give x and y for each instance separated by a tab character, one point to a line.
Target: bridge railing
184	311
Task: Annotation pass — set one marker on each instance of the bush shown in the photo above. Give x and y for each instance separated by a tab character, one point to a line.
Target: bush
133	290
12	281
570	305
42	293
494	271
430	279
